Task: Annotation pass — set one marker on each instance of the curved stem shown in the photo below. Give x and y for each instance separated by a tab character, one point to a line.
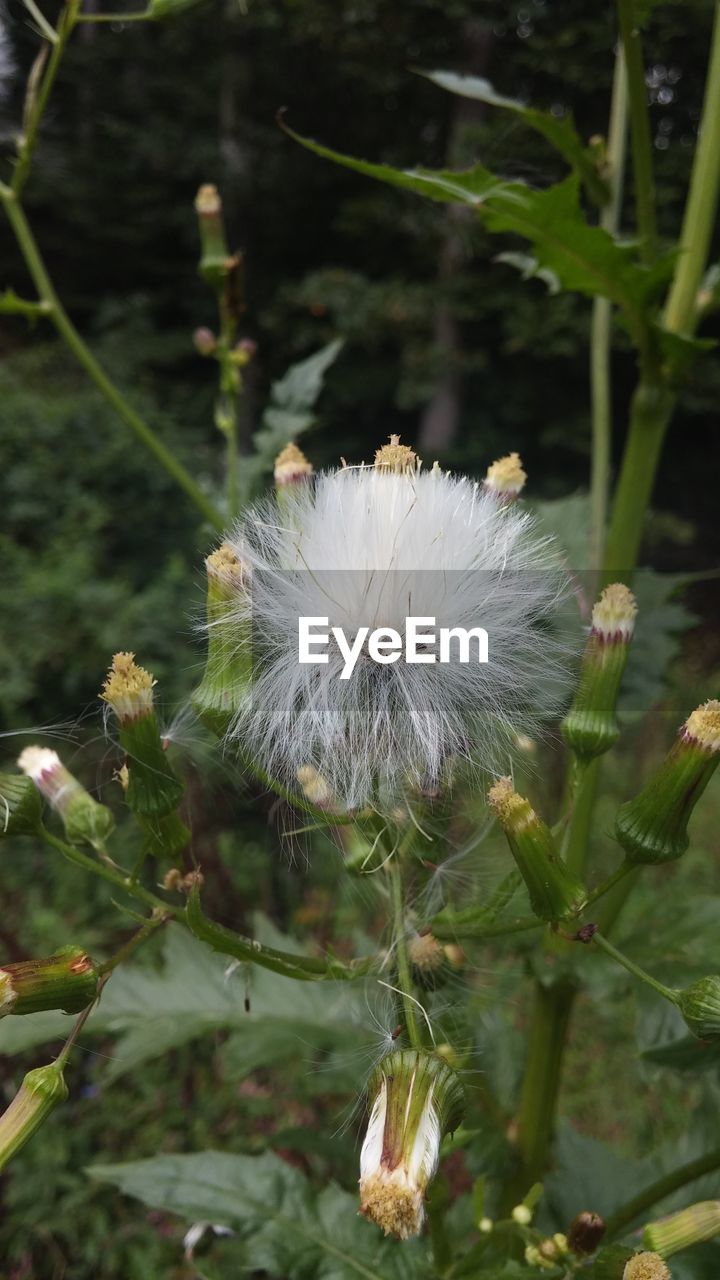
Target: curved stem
601	323
657	1191
28	142
105	872
639	129
634	969
69	333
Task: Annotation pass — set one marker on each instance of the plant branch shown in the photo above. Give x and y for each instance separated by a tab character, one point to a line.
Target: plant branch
37	102
400	941
600	377
69	333
635	969
639	129
657	1191
105	872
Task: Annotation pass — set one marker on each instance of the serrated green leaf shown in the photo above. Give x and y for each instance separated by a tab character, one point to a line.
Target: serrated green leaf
559	132
530	269
292	1231
586	259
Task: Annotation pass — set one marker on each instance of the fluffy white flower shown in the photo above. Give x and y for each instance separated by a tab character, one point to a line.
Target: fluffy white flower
369	547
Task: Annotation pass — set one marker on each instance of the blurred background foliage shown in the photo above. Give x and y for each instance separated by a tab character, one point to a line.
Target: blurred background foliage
99	552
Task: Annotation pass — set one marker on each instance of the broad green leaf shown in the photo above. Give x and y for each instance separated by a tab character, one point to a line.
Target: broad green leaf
586	259
288	414
560	133
290	1231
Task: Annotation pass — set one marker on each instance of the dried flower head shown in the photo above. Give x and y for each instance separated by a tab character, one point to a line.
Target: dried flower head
128	688
291	466
646	1266
506	476
369	547
613	616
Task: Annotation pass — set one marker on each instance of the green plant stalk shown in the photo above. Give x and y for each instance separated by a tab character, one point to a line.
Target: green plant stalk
69	333
601	323
28	142
653	402
634	969
113	876
400	941
639	129
657	1191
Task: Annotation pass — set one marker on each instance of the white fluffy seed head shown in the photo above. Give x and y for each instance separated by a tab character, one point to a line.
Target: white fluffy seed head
369	547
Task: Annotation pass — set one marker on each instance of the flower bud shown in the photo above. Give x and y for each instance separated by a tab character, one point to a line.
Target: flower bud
291	466
590	726
243	352
415	1099
428	961
652	827
506	477
153	790
694	1225
585	1232
555	894
226	680
82	817
214	256
39	1093
67	981
699	1005
397	457
646	1266
20	806
204	341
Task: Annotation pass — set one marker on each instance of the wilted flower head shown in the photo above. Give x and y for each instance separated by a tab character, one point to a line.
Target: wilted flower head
369	547
416	1099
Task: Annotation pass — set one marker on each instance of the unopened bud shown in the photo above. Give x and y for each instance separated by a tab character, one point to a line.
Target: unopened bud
225	683
214	256
20	806
428	961
153	789
590	726
653	826
506	477
83	818
67	981
555	894
522	1214
243	352
585	1232
205	342
40	1091
415	1099
699	1005
694	1225
291	466
397	457
646	1266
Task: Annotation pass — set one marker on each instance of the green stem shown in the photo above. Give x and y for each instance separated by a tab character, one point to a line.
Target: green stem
600	378
653	403
611	883
105	872
26	148
577	836
657	1191
69	333
475	923
681	311
639	129
403	963
145	16
634	969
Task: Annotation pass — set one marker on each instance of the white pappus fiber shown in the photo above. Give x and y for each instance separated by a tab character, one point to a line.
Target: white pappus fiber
364	547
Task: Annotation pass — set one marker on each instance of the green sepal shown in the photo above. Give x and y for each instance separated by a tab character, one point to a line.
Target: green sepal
699	1005
695	1225
652	827
590	727
67	981
153	789
20	805
410	1075
555	893
85	819
165	836
40	1091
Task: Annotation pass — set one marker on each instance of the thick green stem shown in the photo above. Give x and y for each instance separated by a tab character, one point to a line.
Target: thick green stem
401	953
69	333
653	402
639	129
634	969
657	1191
600	379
